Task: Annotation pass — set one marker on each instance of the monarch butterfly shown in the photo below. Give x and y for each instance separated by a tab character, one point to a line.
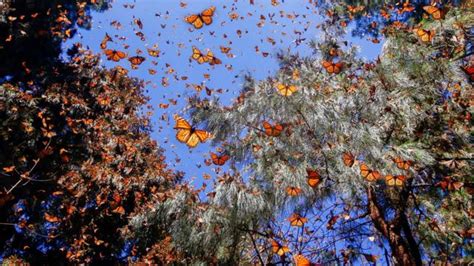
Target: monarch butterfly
348	159
396	180
212	59
153	52
198	20
313	177
224	49
136	60
297	220
331	67
188	134
435	12
369	174
403	164
286	90
219	159
198	55
301	260
272	131
279	249
115	55
293	191
103	43
425	35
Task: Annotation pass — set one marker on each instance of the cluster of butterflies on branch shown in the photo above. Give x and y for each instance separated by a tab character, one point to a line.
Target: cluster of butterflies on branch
372	175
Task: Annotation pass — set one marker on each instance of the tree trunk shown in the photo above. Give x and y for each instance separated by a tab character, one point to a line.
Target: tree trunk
403	253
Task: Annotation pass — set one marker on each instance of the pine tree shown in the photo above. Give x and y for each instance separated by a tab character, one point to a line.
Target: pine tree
385	145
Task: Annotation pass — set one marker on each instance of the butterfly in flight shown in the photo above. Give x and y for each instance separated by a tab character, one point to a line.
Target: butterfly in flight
114	55
395	180
219	159
136	60
369	174
198	20
297	220
188	134
286	90
332	67
153	52
202	58
272	130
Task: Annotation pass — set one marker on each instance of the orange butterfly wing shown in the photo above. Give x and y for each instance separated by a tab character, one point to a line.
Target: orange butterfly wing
348	159
435	12
206	15
195	20
272	131
278	248
219	160
293	191
313	178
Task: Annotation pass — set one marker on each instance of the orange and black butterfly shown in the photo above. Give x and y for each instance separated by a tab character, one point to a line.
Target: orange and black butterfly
212	60
188	134
114	55
403	164
136	60
369	174
286	90
198	56
272	130
103	43
435	12
198	20
279	248
395	180
424	35
297	220
348	159
153	52
219	159
293	191
332	67
313	178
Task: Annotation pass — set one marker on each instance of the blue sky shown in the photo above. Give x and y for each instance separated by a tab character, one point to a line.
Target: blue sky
164	28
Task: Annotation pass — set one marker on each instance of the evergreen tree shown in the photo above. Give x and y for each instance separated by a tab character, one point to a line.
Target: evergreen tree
384	145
